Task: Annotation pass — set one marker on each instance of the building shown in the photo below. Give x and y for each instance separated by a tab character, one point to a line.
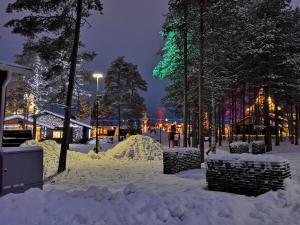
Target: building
105	127
49	126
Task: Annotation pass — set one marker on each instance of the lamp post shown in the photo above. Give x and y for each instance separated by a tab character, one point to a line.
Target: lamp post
26	98
160	129
97	76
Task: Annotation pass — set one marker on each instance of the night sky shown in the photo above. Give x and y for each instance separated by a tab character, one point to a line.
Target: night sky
127	28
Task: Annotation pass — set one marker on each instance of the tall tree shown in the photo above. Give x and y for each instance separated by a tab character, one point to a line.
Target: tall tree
55	25
71	83
121	97
178	61
84	109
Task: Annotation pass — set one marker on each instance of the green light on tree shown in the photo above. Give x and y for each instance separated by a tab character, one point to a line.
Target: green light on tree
172	57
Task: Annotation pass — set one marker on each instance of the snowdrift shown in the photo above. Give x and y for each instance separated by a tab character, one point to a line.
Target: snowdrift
51	155
133	206
136	147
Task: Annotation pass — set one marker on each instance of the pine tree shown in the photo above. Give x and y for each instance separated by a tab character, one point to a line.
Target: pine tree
121	95
84	109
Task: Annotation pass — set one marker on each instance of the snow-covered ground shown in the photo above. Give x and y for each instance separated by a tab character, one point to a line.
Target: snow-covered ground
132	206
114	191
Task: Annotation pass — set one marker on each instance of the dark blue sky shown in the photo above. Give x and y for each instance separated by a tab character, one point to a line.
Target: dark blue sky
127	28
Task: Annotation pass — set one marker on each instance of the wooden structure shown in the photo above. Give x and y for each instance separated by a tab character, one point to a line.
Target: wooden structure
49	126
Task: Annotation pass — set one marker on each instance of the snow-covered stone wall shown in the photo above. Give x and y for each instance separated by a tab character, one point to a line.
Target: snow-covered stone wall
239	147
176	160
258	147
246	174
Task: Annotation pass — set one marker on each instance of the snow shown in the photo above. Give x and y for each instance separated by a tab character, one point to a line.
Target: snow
181	150
51	155
136	147
239	143
112	191
247	157
133	206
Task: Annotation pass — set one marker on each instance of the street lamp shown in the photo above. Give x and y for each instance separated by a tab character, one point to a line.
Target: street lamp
97	76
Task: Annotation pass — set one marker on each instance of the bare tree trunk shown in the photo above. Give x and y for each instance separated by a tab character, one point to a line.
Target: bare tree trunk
201	82
185	80
232	118
220	125
243	112
194	129
213	125
235	119
119	122
216	123
257	112
268	138
297	125
292	124
66	136
277	140
223	124
119	107
250	114
34	117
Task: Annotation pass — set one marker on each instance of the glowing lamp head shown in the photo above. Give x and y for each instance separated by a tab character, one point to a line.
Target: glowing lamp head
97	75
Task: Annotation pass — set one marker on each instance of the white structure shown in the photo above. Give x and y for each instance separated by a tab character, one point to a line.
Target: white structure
6	70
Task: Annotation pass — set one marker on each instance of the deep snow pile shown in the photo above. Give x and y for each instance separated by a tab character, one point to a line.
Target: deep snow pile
51	155
135	147
132	206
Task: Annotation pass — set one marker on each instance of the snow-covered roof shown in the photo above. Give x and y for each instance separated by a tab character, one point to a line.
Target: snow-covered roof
15	68
48	125
29	119
62	117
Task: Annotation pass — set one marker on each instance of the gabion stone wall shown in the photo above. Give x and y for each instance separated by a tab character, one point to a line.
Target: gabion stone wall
239	147
246	174
177	160
258	147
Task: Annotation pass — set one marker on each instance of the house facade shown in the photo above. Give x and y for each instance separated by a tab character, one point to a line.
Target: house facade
49	125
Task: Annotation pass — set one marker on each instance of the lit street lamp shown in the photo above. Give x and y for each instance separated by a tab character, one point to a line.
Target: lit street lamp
97	76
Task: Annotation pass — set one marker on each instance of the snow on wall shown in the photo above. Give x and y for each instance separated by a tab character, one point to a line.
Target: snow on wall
246	157
239	147
180	159
258	147
246	174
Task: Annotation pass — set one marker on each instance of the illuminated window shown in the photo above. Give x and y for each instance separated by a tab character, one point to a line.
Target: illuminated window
57	134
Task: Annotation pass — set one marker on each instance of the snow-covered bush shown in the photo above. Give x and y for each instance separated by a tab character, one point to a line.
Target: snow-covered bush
258	147
239	147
